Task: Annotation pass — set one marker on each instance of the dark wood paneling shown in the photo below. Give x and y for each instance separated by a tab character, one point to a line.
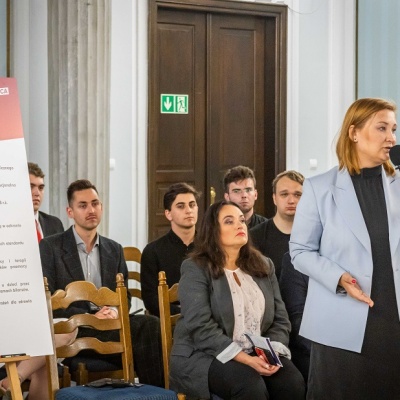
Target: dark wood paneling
236	103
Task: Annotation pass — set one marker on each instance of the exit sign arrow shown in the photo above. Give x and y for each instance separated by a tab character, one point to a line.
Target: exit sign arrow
167	104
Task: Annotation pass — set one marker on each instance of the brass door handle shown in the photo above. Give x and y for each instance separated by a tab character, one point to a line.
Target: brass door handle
213	194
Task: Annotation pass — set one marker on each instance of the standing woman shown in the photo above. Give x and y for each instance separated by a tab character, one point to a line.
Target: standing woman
346	239
227	289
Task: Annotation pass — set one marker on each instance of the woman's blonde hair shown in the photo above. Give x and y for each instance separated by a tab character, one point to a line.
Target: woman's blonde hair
357	115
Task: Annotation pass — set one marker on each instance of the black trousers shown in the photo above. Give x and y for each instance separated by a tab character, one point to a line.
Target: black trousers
234	380
146	347
357	376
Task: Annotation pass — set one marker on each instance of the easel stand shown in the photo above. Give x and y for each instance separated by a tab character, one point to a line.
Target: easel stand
12	374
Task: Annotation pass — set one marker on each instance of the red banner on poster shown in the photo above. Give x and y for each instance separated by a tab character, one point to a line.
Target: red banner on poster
10	114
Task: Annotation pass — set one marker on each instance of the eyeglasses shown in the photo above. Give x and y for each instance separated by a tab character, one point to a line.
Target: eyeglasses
240	191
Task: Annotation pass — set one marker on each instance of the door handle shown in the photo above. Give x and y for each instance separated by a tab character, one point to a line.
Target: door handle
213	194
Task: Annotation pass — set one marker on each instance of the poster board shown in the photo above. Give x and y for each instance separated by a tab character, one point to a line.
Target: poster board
25	324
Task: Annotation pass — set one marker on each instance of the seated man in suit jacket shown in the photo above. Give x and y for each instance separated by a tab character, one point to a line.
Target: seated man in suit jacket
46	224
80	253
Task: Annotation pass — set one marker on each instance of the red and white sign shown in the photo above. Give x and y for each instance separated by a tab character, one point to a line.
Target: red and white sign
25	324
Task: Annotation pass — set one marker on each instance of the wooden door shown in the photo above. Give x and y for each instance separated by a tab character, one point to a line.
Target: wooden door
229	62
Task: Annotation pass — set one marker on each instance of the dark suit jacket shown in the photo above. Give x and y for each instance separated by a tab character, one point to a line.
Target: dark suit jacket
61	265
50	224
206	325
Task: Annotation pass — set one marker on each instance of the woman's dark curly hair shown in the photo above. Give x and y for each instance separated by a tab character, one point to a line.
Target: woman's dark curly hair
209	253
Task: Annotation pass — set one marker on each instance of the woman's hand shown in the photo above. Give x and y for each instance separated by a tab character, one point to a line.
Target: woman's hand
258	363
353	289
262	367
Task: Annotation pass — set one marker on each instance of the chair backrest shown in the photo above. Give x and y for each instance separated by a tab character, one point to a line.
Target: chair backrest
166	296
87	291
135	255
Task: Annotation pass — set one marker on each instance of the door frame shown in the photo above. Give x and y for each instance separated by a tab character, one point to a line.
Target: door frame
275	106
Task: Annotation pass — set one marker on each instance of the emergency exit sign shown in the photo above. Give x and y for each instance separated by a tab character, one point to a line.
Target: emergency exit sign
174	104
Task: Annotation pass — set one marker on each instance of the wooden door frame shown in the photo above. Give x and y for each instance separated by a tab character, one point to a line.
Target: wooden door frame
275	106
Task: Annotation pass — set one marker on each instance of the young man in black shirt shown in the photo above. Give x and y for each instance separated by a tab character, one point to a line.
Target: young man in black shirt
272	236
168	252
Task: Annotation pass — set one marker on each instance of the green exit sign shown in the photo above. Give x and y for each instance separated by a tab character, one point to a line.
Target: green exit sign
174	104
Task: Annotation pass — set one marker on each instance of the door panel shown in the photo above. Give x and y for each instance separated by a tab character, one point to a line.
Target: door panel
177	150
235	133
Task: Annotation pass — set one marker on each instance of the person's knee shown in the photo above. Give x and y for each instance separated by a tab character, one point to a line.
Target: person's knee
145	322
296	388
253	389
249	386
287	384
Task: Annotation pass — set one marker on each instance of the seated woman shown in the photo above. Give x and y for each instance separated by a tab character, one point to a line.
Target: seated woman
35	370
227	289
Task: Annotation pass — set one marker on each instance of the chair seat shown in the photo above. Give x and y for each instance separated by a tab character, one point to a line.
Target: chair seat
145	392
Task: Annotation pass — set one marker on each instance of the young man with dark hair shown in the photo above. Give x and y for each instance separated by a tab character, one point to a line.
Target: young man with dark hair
240	188
272	236
80	253
46	224
168	252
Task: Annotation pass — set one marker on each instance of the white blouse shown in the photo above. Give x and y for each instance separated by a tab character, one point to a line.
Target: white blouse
248	305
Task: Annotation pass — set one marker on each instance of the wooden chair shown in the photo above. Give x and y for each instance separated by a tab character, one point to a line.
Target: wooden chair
121	350
133	254
100	296
166	296
81	372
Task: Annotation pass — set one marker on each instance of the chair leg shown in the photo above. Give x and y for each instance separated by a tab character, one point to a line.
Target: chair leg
82	376
65	379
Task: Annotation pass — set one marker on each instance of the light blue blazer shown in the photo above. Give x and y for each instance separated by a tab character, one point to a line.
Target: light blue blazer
329	237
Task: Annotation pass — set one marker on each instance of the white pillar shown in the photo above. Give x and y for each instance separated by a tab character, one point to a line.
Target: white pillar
128	123
79	86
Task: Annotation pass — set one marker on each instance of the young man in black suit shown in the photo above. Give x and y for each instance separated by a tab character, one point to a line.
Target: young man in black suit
80	253
46	224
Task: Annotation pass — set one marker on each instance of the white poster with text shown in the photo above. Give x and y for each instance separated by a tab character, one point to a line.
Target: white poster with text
25	324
